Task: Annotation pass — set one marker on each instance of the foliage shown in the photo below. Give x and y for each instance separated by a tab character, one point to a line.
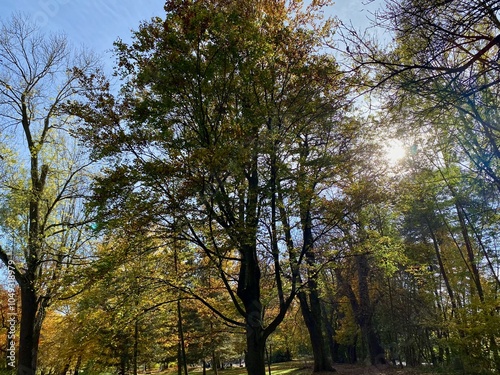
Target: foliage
244	203
221	140
44	174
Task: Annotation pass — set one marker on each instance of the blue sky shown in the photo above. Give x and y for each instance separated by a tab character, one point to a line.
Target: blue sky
96	24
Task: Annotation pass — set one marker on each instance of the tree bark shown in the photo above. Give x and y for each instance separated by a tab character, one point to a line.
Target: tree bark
330	330
182	360
136	346
249	280
364	314
310	303
256	348
249	293
363	309
28	344
311	312
65	369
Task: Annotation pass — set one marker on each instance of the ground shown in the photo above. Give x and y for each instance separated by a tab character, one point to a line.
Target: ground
301	368
371	370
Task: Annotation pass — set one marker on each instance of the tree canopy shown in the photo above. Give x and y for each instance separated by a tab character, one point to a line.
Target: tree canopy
229	202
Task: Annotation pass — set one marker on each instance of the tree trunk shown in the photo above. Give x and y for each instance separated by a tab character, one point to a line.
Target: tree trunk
123	365
310	303
311	312
249	280
256	340
375	349
256	348
352	352
269	354
136	346
214	363
363	309
249	293
182	360
330	334
364	314
442	269
28	342
470	253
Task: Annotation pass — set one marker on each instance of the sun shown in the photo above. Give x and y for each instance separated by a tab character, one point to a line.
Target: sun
394	151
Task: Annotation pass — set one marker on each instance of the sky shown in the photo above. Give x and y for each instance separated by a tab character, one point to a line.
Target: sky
96	24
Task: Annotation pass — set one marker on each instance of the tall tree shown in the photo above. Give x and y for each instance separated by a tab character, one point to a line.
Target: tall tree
442	59
223	103
449	212
356	281
44	177
440	74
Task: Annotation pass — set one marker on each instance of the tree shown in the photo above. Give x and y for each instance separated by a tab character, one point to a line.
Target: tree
440	84
44	174
360	289
223	103
443	60
442	40
448	212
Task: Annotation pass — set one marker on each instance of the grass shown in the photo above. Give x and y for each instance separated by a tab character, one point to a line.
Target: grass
305	368
285	368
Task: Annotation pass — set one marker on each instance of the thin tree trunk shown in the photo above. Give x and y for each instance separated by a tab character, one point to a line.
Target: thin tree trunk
136	346
214	365
268	354
182	349
181	355
363	309
446	280
310	302
330	333
123	365
470	252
